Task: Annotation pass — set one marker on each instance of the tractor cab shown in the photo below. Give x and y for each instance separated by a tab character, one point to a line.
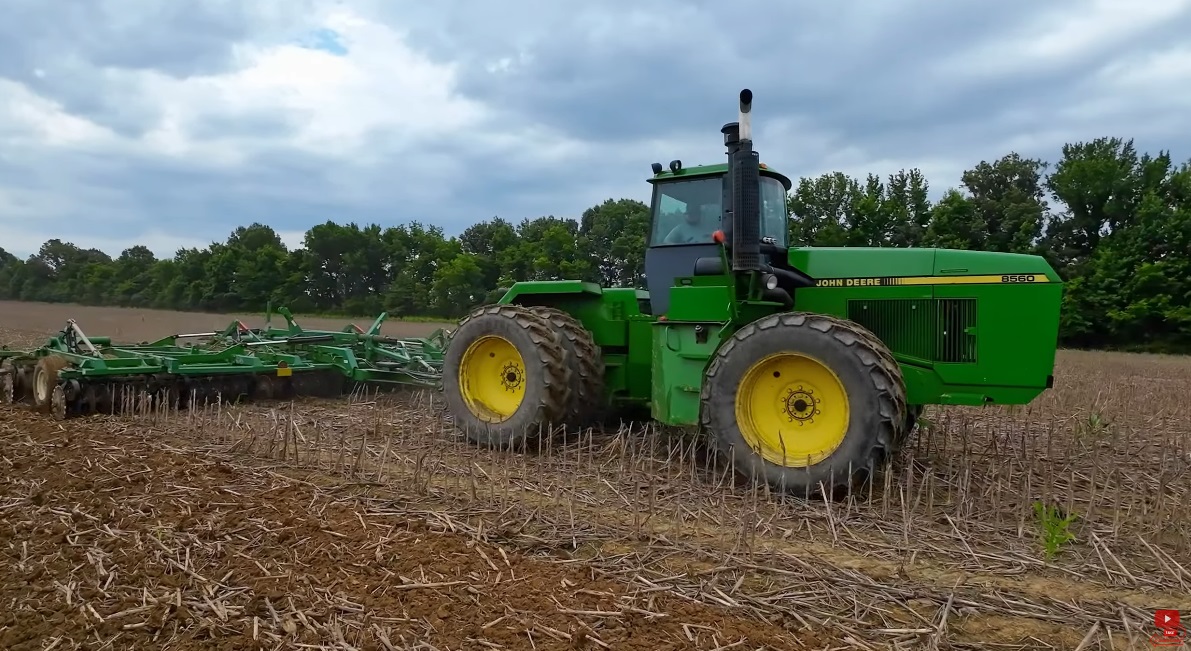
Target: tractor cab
688	207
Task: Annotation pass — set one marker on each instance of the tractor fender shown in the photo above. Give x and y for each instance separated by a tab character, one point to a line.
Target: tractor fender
538	288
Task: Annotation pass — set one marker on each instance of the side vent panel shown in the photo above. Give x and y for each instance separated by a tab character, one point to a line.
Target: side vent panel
929	330
957	330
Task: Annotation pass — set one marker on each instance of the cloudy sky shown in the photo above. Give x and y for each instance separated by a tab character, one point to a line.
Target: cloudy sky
170	122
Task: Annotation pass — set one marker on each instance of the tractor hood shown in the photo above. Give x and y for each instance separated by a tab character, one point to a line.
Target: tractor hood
846	263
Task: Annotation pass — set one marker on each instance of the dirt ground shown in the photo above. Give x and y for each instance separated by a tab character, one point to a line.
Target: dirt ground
27	323
365	523
109	539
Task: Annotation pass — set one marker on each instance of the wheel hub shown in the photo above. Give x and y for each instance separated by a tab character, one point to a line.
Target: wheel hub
800	405
792	409
512	377
492	378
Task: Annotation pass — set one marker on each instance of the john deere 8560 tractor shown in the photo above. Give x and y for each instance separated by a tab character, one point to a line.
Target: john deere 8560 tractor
804	366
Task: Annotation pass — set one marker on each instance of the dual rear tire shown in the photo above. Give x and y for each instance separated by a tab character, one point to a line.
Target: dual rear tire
513	375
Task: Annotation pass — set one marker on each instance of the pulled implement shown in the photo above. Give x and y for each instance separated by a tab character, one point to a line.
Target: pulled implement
75	374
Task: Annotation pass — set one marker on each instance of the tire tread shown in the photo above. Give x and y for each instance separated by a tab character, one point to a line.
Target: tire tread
883	373
552	359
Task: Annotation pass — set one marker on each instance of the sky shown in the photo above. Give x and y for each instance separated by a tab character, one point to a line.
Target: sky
169	123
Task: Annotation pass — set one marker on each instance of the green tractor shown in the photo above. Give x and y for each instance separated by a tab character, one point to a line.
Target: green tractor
805	367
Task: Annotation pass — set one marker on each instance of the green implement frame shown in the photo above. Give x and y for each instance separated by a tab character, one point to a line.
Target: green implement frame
74	374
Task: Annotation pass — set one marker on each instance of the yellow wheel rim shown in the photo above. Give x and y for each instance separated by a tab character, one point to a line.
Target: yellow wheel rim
792	409
492	378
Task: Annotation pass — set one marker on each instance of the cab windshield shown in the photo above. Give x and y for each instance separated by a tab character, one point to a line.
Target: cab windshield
689	212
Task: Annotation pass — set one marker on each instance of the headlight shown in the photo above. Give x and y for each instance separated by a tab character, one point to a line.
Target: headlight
770	281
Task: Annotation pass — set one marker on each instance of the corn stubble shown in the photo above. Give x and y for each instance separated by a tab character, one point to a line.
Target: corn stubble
946	548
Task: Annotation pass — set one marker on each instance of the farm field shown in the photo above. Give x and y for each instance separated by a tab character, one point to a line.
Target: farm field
366	524
31	322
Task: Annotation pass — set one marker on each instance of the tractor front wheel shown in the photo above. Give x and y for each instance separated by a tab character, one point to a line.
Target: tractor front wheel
803	402
506	376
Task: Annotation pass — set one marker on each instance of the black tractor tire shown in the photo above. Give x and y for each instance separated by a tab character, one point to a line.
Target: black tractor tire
587	367
875	397
542	377
890	366
45	378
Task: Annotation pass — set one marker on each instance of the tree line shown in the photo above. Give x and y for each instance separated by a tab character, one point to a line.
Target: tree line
1114	222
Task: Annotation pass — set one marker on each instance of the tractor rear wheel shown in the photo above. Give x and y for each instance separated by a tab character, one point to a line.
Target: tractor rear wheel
587	366
803	402
506	376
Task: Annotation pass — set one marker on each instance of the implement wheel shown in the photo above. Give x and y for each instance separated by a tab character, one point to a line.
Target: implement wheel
8	381
506	376
16	389
45	378
58	404
803	402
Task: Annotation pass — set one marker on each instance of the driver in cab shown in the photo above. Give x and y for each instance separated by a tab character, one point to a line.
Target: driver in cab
696	227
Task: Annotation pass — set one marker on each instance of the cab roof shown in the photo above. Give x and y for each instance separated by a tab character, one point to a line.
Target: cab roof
702	171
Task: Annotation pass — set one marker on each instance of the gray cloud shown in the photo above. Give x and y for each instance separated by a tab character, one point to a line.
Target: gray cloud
859	87
218	125
177	37
77	52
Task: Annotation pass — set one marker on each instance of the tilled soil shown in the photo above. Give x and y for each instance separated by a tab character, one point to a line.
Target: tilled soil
244	535
27	324
111	541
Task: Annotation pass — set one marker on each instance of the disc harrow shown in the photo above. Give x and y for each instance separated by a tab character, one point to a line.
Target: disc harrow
75	374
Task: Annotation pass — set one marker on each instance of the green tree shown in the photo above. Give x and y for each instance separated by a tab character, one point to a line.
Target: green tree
1008	197
838	210
1120	234
612	237
956	223
1136	293
131	277
490	243
1101	184
821	210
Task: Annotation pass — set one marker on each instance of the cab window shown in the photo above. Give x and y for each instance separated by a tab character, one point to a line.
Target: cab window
686	212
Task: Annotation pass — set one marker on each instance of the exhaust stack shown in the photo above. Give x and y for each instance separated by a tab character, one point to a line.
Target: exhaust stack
746	115
744	173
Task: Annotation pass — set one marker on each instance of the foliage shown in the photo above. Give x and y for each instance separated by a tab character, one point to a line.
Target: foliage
1116	224
1054	527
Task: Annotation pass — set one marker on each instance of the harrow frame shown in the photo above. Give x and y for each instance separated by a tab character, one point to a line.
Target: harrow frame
75	374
